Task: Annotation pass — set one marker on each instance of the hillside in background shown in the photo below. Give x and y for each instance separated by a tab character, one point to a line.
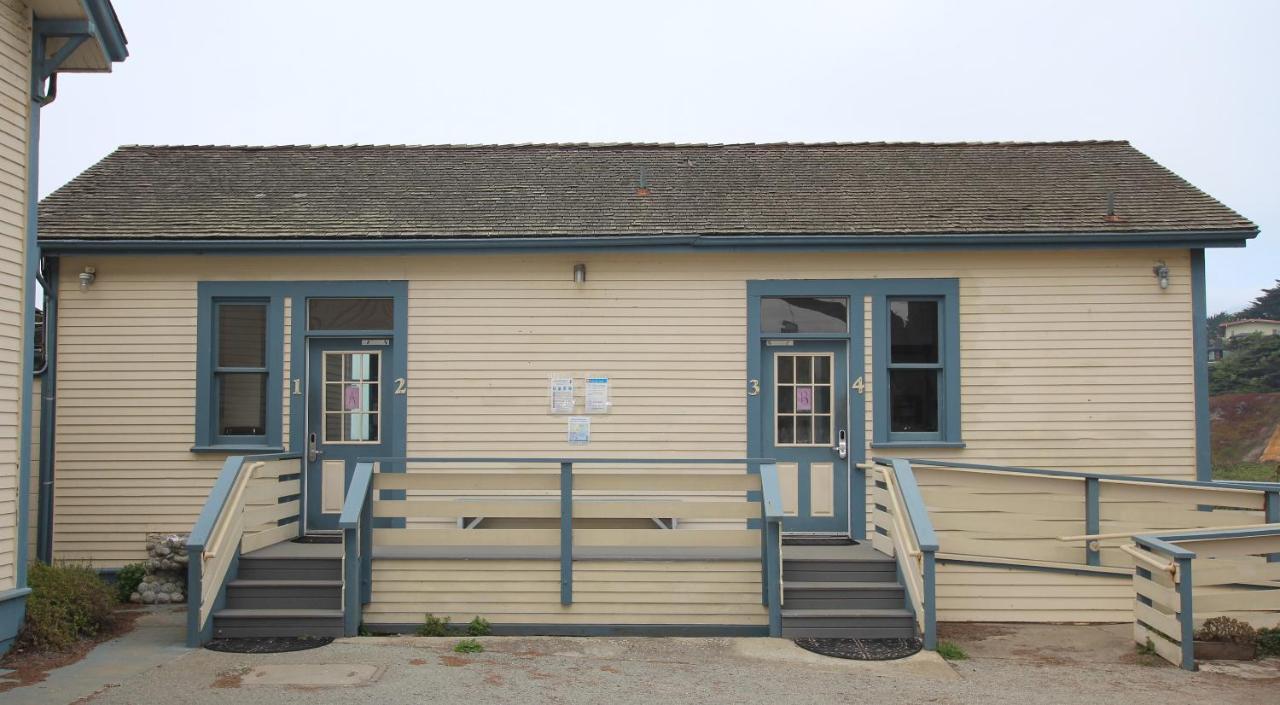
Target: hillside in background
1240	426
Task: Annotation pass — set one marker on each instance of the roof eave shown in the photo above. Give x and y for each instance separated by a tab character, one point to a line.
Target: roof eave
231	245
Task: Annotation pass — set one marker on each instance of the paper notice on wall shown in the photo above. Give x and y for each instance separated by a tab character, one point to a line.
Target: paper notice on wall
579	430
562	395
598	395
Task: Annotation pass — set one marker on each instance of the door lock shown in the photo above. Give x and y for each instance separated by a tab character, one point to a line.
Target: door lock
314	452
842	445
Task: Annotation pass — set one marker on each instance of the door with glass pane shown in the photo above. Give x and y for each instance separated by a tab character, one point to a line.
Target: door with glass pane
804	391
346	419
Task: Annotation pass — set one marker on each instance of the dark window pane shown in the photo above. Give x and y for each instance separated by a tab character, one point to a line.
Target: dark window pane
804	369
822	370
801	314
822	400
803	429
913	396
786	429
333	428
350	314
242	335
242	404
786	399
822	429
913	334
786	369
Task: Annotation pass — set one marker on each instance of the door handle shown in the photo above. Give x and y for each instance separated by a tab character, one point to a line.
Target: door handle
842	444
314	452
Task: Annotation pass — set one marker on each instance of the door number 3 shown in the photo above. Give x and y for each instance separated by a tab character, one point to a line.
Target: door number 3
753	387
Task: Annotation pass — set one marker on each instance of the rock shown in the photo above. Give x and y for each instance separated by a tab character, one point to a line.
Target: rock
148	598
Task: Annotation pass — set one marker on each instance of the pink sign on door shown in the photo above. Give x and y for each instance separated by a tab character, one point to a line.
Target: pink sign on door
804	399
351	398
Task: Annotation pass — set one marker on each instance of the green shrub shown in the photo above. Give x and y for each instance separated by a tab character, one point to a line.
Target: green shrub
67	602
128	580
1269	641
469	646
479	627
951	652
1227	629
434	626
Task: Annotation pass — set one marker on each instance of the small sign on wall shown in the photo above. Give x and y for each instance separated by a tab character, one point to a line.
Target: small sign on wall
579	430
561	391
598	395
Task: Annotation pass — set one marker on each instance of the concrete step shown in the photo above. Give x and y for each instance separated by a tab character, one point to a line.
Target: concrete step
277	622
281	568
284	594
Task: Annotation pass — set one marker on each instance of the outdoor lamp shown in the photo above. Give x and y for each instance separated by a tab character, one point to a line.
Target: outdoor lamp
1161	270
579	273
86	277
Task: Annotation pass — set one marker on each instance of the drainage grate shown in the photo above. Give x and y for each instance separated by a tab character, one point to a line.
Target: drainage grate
862	649
268	644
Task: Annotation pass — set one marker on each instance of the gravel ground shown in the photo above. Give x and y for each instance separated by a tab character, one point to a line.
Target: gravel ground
1026	665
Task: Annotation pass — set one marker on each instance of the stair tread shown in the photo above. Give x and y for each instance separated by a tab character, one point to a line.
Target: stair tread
268	582
881	612
839	585
273	612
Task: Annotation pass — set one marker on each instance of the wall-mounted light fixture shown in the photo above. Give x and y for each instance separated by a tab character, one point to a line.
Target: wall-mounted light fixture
1161	270
87	277
579	274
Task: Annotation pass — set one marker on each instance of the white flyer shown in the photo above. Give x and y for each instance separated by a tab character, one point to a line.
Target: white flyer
598	395
579	430
562	395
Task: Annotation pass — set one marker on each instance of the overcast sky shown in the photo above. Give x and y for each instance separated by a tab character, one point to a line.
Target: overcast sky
1196	85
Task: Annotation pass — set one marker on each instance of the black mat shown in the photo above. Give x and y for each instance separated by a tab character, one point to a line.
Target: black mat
319	538
268	644
818	541
862	649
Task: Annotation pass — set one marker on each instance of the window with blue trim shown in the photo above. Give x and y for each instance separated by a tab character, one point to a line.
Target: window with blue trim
239	368
917	365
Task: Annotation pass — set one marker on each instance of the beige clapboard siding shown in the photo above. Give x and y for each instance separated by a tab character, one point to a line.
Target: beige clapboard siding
1070	360
970	593
15	63
604	592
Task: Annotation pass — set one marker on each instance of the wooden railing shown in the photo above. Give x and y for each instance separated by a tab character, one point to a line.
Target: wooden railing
1072	519
903	530
253	504
407	503
1180	580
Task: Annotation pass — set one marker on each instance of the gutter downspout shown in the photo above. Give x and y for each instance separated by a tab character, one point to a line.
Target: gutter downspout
48	411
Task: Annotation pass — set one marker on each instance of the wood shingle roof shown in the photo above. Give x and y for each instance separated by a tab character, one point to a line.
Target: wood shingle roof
479	191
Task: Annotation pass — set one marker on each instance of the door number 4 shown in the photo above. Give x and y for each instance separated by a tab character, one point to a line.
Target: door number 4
858	386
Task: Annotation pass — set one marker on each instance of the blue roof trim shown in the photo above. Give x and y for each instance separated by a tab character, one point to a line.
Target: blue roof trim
107	28
293	246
